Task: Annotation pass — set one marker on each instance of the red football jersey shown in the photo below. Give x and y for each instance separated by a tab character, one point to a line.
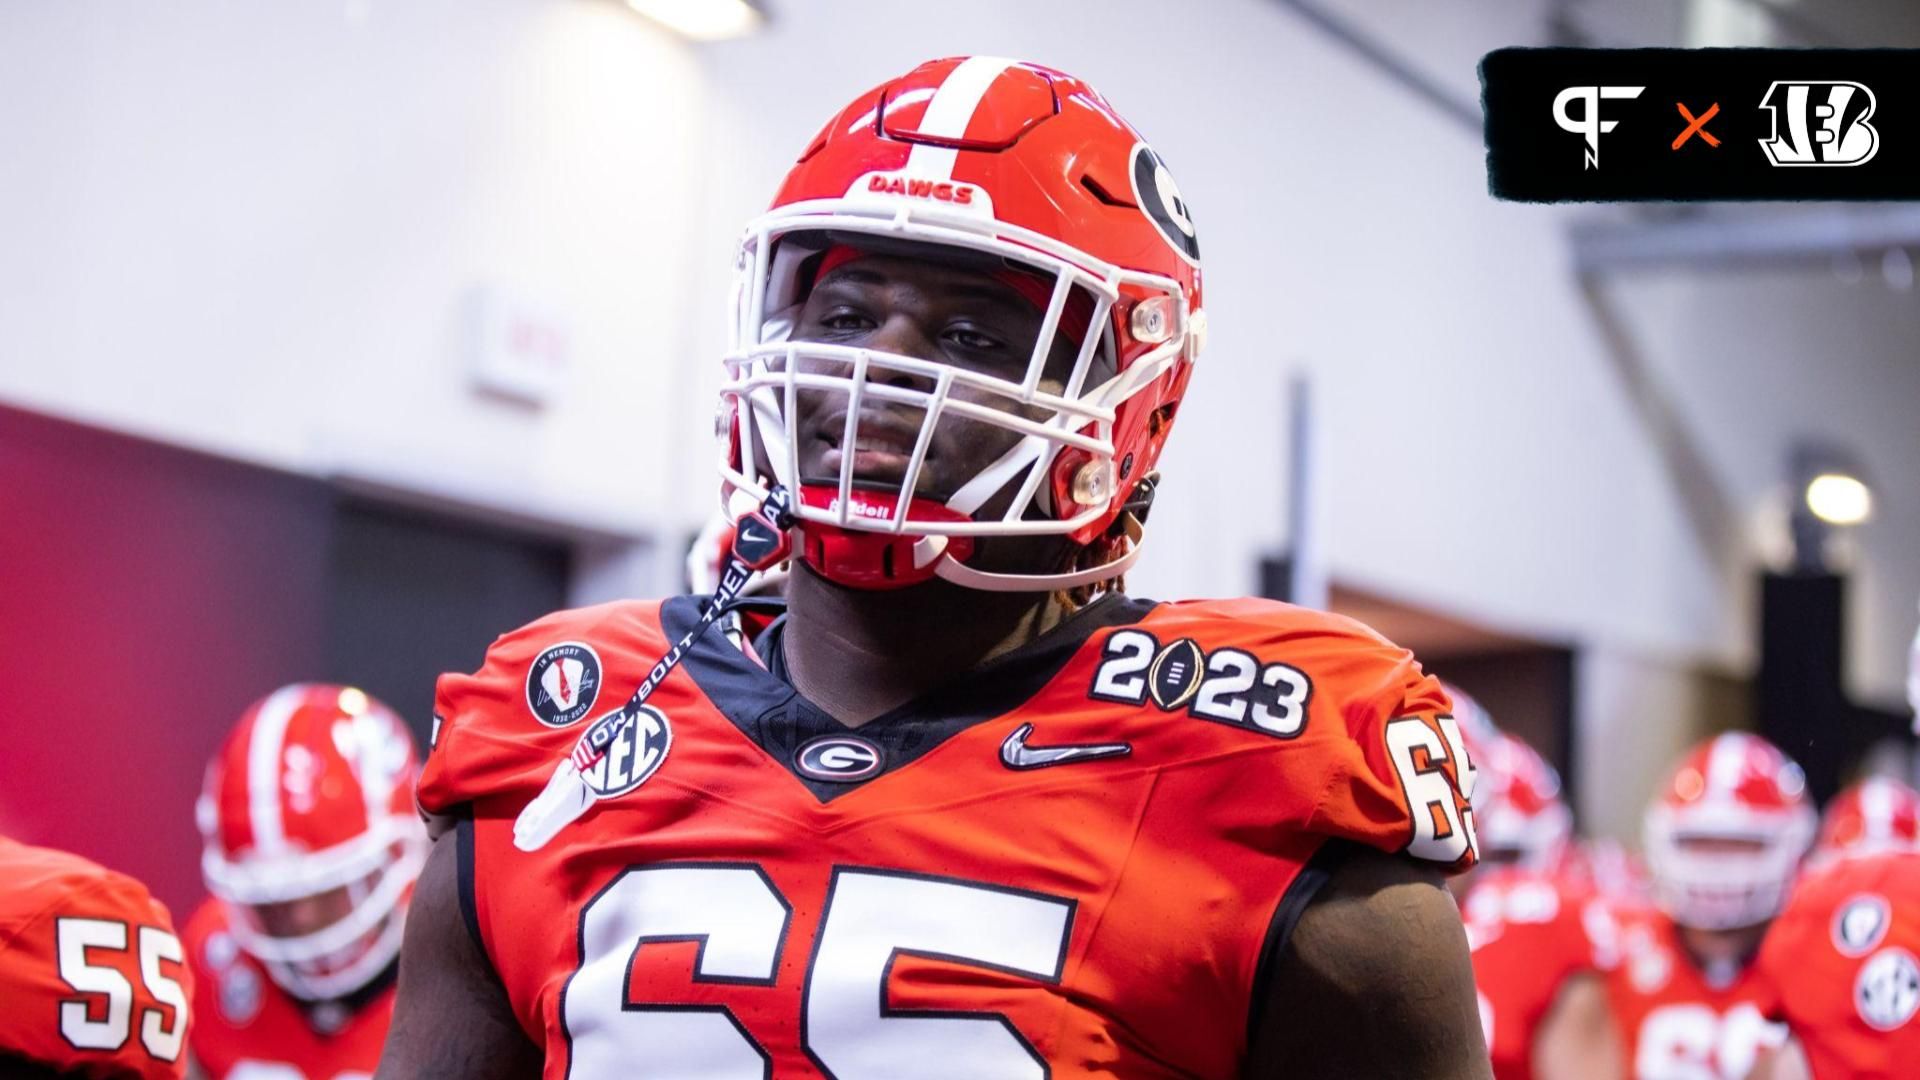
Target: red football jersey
92	978
1530	933
246	1028
1676	1021
1842	967
1072	862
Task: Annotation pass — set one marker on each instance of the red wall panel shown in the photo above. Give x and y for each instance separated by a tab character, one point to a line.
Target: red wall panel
147	595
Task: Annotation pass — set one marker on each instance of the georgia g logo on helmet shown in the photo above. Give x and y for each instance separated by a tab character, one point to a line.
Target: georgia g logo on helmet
1155	192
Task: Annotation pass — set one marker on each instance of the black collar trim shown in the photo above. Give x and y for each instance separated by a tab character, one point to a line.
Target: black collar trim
770	712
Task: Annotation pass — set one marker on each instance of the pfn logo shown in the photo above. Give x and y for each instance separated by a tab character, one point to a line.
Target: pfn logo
1588	124
1819	123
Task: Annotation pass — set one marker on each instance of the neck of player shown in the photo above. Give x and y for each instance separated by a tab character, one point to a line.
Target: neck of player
859	653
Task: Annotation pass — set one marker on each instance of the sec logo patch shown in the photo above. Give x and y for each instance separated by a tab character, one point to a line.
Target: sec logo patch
1887	991
633	754
563	682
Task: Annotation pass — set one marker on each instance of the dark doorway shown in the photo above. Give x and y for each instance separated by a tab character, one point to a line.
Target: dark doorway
411	595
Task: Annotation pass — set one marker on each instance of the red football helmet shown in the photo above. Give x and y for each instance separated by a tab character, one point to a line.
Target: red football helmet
311	837
1877	814
1516	802
1725	836
1023	172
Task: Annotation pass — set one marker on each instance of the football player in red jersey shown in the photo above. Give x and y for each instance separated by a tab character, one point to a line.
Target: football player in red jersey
1540	933
93	982
1841	966
967	810
1724	840
312	848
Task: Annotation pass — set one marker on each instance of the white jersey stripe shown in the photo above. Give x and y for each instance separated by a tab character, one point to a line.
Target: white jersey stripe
949	113
264	744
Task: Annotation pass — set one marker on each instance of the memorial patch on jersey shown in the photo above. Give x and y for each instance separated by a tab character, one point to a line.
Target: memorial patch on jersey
563	682
634	754
843	759
1860	924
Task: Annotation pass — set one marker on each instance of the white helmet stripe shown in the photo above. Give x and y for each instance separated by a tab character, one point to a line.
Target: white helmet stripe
1876	811
1723	766
949	113
264	744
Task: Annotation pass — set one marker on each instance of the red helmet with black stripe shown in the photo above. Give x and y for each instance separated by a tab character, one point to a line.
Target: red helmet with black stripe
311	840
1025	172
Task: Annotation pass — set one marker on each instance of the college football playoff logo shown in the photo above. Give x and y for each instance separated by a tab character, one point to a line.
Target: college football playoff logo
1820	123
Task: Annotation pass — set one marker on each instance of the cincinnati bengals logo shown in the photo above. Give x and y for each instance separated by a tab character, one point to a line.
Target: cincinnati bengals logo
562	683
1158	197
1819	123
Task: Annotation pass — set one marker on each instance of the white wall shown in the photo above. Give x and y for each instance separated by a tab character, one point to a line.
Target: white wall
249	228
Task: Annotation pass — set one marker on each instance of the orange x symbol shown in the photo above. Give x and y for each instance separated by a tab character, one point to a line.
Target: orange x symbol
1698	125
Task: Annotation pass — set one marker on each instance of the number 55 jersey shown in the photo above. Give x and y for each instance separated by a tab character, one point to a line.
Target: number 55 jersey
1080	859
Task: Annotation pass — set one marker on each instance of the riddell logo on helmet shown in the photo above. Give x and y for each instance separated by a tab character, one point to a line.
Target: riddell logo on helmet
942	190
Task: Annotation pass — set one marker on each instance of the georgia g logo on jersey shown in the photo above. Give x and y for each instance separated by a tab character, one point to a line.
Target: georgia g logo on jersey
1820	123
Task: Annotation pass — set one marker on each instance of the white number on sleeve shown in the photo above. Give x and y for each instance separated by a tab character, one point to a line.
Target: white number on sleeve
157	945
1441	831
74	938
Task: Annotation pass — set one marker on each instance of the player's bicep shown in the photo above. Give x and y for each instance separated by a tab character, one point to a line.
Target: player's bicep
1375	981
447	986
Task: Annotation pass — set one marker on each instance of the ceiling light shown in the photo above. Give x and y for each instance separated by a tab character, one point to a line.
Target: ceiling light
702	20
1839	499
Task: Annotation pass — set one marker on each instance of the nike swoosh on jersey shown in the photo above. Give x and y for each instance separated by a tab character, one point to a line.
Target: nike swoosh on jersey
1016	754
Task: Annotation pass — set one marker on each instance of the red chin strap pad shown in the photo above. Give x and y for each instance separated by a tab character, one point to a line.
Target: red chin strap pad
871	560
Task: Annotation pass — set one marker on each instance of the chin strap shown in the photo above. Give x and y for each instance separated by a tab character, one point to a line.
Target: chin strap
760	540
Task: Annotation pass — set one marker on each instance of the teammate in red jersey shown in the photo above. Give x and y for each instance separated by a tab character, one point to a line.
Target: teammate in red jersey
93	983
1724	841
1874	816
312	848
1842	964
967	810
1540	934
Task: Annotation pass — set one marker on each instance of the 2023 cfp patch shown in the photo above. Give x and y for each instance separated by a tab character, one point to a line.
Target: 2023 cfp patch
563	682
1604	125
